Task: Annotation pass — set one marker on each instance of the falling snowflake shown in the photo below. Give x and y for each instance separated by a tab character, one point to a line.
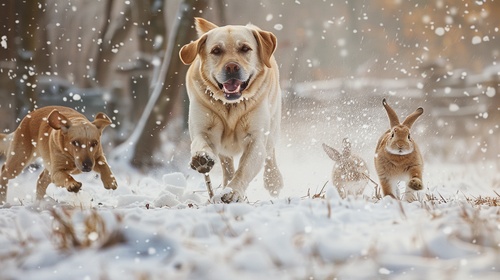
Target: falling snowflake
3	43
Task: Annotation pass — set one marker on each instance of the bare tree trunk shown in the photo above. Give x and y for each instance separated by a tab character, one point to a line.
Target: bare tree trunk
26	68
151	23
113	33
221	10
157	114
8	54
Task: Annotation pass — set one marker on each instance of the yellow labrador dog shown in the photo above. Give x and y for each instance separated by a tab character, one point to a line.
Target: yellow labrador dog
67	142
235	104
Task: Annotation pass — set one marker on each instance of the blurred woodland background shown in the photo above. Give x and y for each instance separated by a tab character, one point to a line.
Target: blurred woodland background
121	57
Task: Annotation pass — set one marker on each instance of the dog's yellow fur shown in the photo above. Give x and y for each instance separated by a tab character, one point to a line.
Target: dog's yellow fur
235	104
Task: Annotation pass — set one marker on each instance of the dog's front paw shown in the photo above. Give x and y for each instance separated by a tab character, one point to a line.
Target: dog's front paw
73	186
202	162
110	183
231	195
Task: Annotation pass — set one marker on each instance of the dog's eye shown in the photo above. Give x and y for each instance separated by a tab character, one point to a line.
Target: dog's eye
216	51
75	143
93	144
409	138
245	49
392	135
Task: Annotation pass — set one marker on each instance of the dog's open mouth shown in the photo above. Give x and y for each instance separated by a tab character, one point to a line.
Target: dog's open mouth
233	88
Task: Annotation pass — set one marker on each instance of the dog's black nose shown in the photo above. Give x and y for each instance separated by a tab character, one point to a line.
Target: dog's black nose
87	165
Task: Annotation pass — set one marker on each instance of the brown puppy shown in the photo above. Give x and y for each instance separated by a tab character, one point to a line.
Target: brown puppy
235	104
67	142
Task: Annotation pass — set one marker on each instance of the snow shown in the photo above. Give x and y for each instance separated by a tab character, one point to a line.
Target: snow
162	226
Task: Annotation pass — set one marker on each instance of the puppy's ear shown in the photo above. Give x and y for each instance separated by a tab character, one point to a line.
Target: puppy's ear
267	43
58	121
189	52
101	121
203	26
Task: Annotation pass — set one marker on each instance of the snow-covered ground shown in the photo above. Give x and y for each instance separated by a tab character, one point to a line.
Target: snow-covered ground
160	225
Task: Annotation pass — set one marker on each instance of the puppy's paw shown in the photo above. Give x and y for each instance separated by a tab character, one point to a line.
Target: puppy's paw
231	195
110	183
73	186
416	184
202	162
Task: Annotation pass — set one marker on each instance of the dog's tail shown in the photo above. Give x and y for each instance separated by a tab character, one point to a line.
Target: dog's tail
5	140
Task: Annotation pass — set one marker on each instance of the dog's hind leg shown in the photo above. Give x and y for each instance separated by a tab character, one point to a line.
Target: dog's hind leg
273	181
227	169
10	170
42	184
19	156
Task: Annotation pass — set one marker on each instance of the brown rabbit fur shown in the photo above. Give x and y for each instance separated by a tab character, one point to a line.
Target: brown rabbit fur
350	173
398	157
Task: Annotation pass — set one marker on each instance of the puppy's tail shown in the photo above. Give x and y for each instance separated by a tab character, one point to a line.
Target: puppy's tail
5	140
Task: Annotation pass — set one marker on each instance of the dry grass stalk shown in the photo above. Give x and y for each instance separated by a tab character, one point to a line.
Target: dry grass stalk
486	201
63	232
66	236
321	193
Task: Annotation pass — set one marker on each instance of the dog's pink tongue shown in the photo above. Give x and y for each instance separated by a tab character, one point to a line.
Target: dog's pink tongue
232	86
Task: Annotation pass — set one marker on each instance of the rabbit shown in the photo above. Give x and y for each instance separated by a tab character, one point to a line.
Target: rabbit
350	173
398	158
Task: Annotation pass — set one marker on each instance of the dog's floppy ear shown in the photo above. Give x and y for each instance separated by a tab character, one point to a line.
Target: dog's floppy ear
267	43
101	121
203	26
58	121
189	52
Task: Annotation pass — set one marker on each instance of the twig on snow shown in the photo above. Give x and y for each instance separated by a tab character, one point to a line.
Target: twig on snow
208	182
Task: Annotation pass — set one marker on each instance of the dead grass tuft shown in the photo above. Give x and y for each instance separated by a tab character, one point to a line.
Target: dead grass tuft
487	201
68	234
482	230
484	201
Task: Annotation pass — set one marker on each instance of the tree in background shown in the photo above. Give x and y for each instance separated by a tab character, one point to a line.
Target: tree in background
18	59
158	112
8	56
149	17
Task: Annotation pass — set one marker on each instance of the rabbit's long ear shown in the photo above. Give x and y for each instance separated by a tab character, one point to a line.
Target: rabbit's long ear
347	147
393	117
408	122
331	152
